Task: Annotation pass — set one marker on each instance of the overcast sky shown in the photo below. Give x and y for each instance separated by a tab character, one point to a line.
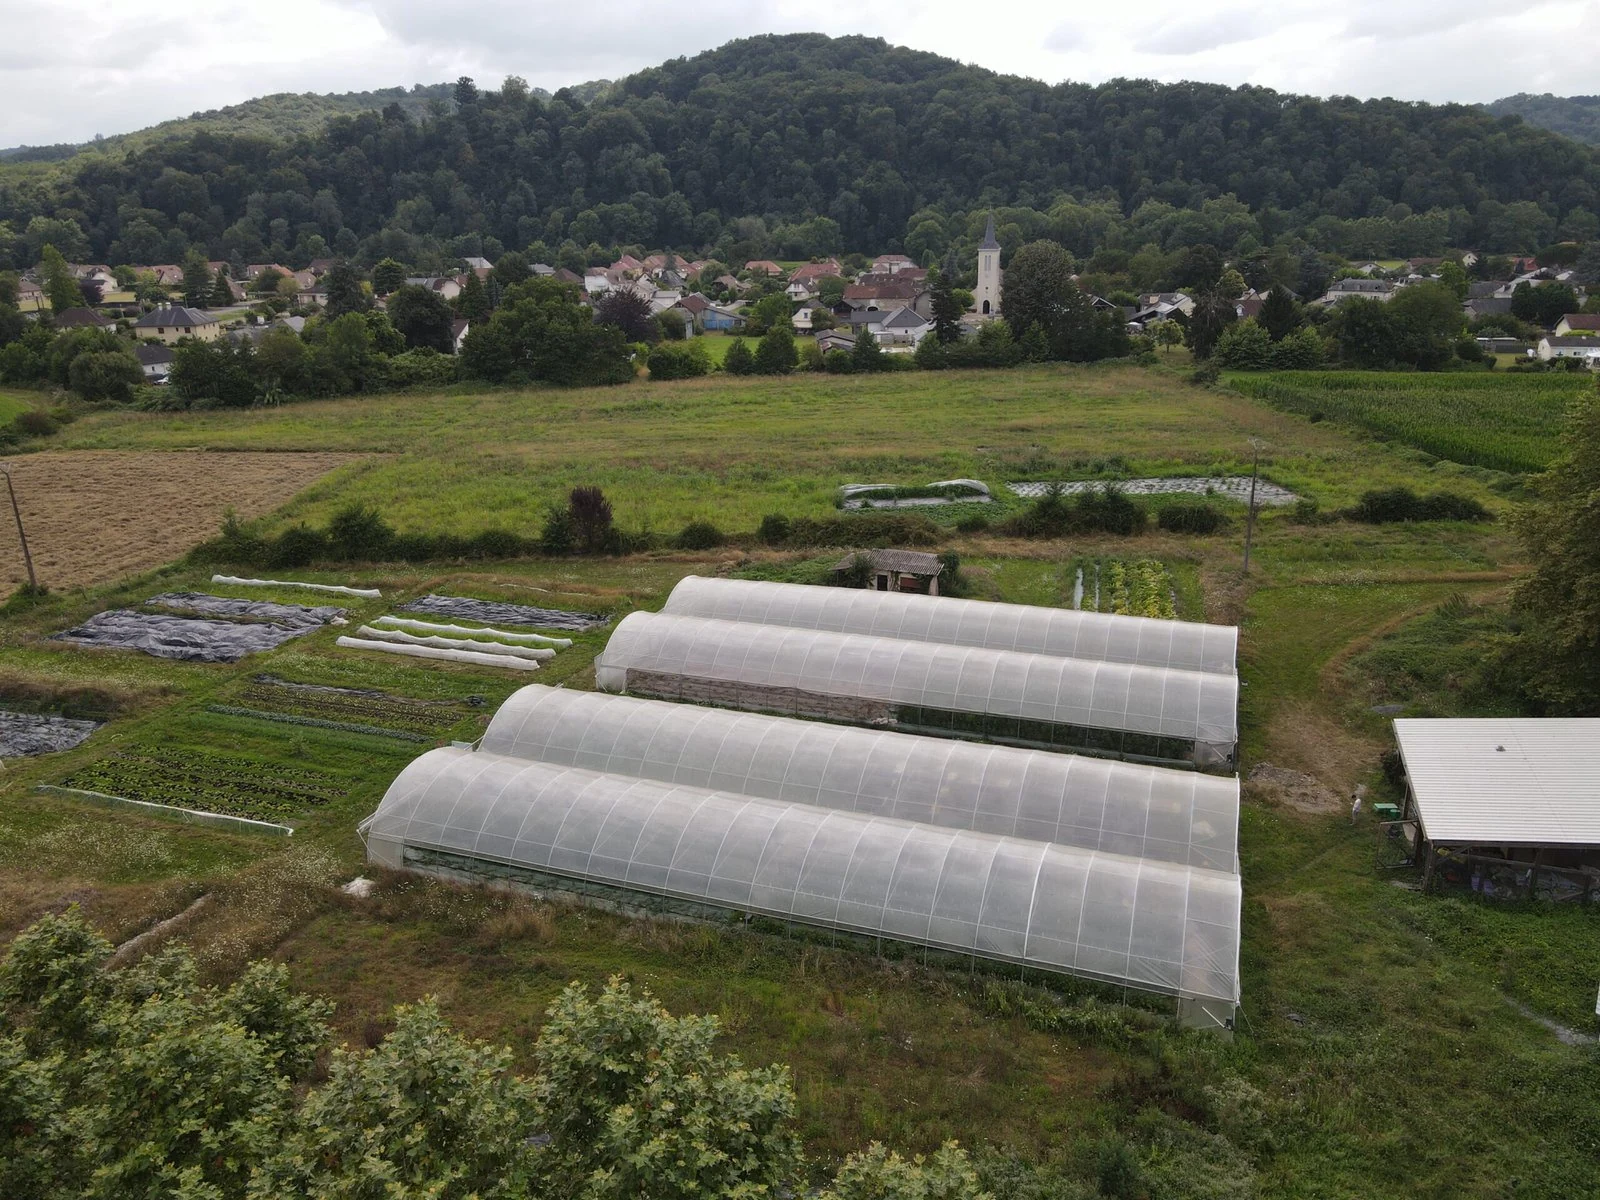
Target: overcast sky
72	68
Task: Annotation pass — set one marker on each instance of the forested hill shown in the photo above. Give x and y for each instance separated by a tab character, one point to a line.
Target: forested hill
804	144
1573	116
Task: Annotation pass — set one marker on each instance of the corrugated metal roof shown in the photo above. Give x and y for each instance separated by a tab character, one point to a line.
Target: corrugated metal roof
1528	781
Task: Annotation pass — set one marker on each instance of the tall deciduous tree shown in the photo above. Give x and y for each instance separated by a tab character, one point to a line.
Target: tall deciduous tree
196	282
387	276
345	293
1561	597
1213	312
473	302
1280	315
422	317
946	308
221	294
60	288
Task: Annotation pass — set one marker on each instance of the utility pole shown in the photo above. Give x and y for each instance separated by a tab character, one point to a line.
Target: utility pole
1250	517
33	582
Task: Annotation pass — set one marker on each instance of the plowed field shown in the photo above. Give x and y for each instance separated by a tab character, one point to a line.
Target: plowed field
94	516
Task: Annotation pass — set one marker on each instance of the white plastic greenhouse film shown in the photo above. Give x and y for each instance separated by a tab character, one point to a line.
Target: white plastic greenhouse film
1150	925
430	627
1029	629
1098	804
444	643
463	656
340	589
1190	706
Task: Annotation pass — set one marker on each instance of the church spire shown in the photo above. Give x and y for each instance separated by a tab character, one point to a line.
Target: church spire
989	242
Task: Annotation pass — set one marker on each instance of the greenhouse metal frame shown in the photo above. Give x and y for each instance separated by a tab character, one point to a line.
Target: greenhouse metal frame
1157	813
1026	628
1149	925
1000	695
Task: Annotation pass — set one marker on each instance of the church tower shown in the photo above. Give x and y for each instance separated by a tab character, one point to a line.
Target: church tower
986	296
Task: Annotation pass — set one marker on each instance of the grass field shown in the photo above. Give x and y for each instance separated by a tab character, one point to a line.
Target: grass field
1381	1053
718	344
1503	422
14	404
733	451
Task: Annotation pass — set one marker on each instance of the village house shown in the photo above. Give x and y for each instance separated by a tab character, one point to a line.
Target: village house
763	266
891	264
1585	348
798	291
30	296
1582	324
729	283
458	334
80	318
721	317
809	273
175	322
478	266
833	339
154	361
1344	289
903	329
447	286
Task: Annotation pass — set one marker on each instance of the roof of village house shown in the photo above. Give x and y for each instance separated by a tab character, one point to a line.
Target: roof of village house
1482	289
907	562
905	318
567	275
1573	343
695	303
886	289
1490	305
763	264
1582	321
152	355
175	315
809	271
74	318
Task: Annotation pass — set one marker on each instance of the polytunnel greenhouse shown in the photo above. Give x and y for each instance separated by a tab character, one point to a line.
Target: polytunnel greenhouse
1031	629
1183	817
633	842
1035	700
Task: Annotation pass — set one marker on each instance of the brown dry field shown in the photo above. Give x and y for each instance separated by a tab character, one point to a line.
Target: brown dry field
94	516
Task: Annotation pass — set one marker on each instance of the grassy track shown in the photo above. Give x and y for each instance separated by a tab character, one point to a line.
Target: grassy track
733	450
1504	422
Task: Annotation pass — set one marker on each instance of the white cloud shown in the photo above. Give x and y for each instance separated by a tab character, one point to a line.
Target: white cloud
73	68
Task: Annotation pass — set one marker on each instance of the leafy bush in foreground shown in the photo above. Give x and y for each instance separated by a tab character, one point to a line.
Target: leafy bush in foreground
1394	504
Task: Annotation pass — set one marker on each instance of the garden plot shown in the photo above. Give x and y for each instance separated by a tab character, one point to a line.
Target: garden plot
195	779
227	608
492	612
1228	487
94	516
190	639
1141	588
23	734
855	496
354	710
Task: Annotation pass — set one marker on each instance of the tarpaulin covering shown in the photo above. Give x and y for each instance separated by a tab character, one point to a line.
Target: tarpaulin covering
40	733
206	605
491	612
189	638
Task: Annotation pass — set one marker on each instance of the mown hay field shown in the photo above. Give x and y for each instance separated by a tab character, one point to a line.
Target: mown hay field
1506	422
98	516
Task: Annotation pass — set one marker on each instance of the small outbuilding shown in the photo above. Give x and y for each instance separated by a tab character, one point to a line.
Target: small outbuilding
897	570
1505	806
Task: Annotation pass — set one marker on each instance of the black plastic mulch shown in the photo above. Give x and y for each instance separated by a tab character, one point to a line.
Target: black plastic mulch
491	612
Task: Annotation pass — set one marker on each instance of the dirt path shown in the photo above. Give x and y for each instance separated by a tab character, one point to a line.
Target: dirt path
95	516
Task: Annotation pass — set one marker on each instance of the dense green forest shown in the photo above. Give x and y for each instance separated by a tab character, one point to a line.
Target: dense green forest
801	145
1571	116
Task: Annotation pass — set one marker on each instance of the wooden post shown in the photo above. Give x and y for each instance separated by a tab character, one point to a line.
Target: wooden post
1430	857
1250	514
33	582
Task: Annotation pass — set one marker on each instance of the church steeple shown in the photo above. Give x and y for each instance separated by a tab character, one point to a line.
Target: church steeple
986	296
989	242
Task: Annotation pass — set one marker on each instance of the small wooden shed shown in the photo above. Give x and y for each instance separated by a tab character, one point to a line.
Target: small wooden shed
898	570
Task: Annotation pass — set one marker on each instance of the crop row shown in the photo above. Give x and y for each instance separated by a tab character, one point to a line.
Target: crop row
1504	422
208	782
1142	588
383	712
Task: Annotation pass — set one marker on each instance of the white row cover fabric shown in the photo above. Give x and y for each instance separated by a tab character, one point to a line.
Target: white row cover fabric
1177	816
1149	925
336	588
1189	705
434	628
462	656
1525	781
1030	629
455	643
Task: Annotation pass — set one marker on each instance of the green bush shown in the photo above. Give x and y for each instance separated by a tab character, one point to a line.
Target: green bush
1243	346
359	533
679	360
865	529
298	546
36	423
1103	510
699	535
1395	504
557	537
1191	516
774	529
973	523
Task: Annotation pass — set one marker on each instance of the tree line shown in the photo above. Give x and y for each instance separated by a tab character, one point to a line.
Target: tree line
803	145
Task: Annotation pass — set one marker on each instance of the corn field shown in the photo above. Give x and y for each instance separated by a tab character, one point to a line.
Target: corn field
1503	421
